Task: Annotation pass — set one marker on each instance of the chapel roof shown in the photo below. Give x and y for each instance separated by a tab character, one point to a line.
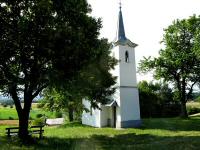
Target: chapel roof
120	38
111	103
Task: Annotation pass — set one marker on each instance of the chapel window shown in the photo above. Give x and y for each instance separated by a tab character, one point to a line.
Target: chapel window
126	57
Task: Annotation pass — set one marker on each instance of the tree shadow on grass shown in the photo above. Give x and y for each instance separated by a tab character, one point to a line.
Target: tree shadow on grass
72	124
101	142
172	124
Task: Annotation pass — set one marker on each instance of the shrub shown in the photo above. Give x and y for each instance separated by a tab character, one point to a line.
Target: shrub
58	115
193	110
40	105
39	122
5	105
39	115
10	118
161	110
11	106
171	110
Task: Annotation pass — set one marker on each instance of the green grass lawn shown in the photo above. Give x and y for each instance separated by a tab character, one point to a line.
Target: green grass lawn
6	113
155	134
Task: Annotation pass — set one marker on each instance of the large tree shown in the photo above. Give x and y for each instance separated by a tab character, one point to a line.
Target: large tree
178	62
42	43
153	97
94	83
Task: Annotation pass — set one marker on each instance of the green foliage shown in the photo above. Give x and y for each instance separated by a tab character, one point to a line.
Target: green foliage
58	115
179	61
61	101
197	99
38	122
156	100
40	104
93	83
39	115
46	43
10	118
46	113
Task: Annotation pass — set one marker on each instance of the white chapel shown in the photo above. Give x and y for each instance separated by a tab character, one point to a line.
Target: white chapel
122	111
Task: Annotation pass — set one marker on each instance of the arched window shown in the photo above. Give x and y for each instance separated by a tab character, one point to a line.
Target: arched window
126	57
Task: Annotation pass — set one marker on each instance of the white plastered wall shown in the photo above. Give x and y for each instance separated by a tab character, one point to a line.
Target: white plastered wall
106	113
91	119
127	72
127	93
130	109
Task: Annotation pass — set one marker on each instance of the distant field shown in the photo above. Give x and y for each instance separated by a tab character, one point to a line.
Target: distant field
155	134
193	107
7	113
193	104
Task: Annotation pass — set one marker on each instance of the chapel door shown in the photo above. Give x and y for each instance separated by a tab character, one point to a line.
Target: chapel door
114	116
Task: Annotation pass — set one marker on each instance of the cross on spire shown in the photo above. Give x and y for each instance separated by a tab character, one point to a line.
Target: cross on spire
120	4
120	26
120	36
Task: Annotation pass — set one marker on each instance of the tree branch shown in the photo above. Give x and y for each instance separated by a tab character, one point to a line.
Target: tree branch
39	90
13	93
191	90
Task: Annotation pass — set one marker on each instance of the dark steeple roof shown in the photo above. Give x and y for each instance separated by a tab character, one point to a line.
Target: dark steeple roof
120	28
120	36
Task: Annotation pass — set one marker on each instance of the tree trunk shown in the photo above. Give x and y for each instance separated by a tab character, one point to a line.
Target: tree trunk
24	119
183	100
23	126
183	110
182	96
71	114
23	114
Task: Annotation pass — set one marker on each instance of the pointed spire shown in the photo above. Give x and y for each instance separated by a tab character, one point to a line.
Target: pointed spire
120	38
120	27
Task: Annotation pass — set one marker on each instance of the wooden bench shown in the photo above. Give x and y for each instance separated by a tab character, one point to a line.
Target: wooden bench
37	130
34	130
12	131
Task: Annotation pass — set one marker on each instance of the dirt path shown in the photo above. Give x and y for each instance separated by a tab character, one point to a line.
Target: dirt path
195	115
9	122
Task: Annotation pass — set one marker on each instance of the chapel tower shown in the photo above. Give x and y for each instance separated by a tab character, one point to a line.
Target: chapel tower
123	109
126	95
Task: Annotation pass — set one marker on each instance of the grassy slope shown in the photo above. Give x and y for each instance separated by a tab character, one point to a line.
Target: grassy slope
155	134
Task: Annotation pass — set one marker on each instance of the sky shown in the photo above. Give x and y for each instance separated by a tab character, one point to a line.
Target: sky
144	21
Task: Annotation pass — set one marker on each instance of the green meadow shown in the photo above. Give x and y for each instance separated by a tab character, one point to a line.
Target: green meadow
155	134
7	113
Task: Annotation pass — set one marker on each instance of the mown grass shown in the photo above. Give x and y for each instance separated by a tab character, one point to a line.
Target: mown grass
155	134
7	113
